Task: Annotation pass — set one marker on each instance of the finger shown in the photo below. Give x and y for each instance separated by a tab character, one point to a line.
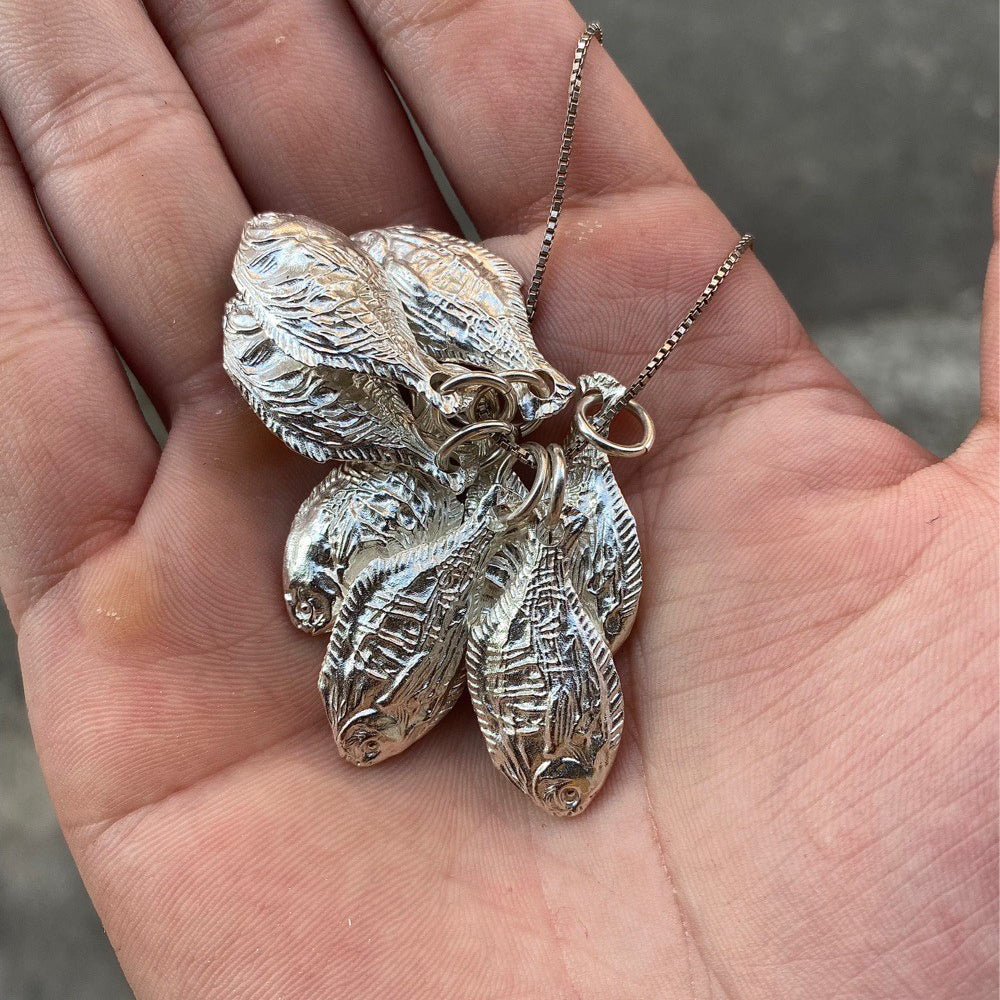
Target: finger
487	83
75	455
990	360
304	110
977	455
130	177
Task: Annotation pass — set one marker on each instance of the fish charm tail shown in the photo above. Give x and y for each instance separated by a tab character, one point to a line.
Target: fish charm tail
326	303
464	305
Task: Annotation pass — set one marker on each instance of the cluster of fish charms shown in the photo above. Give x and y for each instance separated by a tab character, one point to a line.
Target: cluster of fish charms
348	348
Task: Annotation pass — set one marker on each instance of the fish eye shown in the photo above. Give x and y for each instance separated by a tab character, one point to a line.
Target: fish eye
569	796
362	745
311	608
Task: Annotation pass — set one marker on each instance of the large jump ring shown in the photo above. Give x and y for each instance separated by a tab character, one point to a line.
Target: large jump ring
521	514
483	382
540	382
585	410
472	432
557	484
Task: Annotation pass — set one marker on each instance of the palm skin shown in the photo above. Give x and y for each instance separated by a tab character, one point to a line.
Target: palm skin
804	805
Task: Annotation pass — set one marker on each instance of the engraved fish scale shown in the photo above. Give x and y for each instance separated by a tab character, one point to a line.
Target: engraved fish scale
358	512
392	666
324	302
325	414
604	560
543	683
464	304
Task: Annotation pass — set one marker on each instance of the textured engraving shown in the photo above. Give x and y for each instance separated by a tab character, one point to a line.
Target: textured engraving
322	413
324	302
358	512
464	304
603	559
392	668
342	346
542	680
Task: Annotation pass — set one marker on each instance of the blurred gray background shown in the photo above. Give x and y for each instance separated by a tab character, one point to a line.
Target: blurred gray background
857	141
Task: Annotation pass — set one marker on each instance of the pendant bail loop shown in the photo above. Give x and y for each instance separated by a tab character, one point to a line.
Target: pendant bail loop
582	421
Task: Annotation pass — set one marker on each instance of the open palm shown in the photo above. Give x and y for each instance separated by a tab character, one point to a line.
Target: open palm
804	802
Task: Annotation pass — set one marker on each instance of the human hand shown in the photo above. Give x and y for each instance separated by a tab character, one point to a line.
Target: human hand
804	802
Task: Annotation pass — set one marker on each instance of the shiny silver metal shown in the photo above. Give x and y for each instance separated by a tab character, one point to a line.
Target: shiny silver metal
541	678
592	402
495	430
488	388
556	493
323	413
359	511
464	304
603	558
406	354
523	513
392	668
326	304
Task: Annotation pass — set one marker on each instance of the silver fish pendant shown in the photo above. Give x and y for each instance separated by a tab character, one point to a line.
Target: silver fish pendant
392	667
464	304
326	303
542	680
406	355
356	513
603	559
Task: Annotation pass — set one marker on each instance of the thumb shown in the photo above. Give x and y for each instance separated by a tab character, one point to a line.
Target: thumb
977	456
989	361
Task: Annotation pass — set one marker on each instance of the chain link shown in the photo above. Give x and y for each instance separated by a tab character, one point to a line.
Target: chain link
602	420
643	378
562	170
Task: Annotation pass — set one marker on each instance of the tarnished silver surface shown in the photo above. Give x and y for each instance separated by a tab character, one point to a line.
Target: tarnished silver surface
358	512
322	413
392	668
541	677
603	557
325	303
464	304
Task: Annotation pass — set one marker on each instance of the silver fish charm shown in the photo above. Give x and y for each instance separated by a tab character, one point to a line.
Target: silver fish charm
604	561
392	668
464	304
358	512
326	303
325	414
542	680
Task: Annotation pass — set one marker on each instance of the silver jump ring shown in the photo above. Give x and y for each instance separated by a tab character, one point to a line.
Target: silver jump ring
582	422
483	382
521	514
541	383
557	484
472	432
